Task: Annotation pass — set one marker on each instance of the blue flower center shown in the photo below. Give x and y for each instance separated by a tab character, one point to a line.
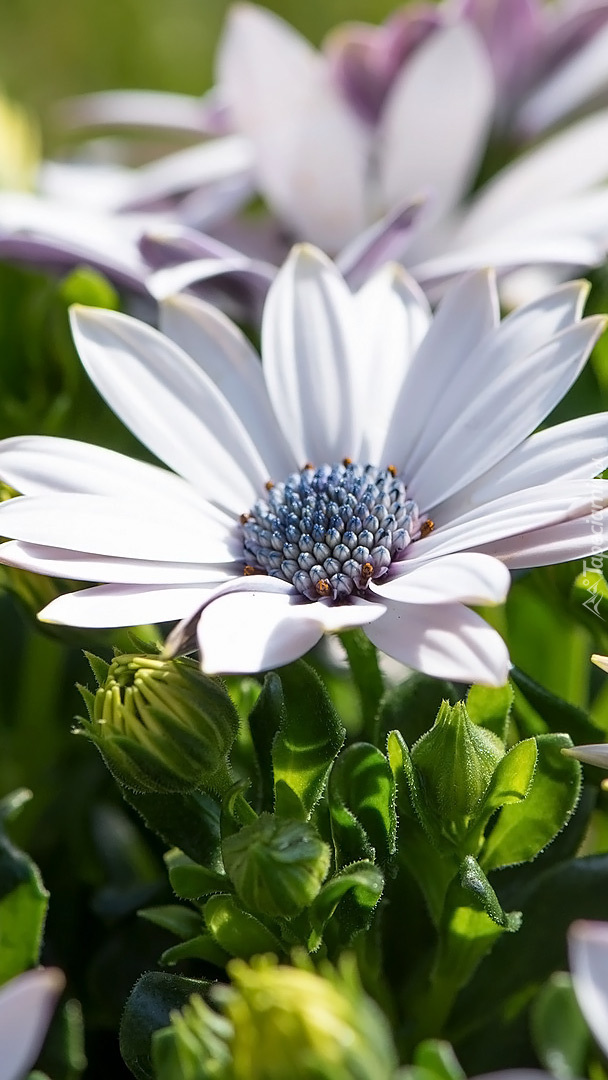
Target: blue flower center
331	530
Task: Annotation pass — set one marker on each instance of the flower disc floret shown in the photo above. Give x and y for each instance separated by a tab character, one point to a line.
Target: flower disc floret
331	530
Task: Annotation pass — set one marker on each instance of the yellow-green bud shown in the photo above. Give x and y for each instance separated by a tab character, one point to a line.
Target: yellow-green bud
160	725
455	762
277	865
19	146
195	1046
290	1022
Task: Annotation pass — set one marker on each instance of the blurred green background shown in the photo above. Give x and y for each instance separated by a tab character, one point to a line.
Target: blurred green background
52	49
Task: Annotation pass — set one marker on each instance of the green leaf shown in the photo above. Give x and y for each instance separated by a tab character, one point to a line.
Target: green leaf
408	789
559	1032
490	707
201	947
439	1059
509	977
148	1009
189	880
264	722
524	828
559	715
23	900
310	735
512	778
189	821
361	795
365	673
182	921
362	883
474	881
236	931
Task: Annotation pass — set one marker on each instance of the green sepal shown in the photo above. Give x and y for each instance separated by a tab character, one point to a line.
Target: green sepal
559	1032
153	998
310	735
178	919
361	884
237	931
361	796
23	898
189	880
524	828
411	706
490	707
99	667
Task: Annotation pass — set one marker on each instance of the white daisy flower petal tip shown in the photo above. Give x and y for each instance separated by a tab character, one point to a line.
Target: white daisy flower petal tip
26	1007
326	488
588	950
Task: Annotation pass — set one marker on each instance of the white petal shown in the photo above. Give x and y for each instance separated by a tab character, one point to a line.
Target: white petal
172	279
600	661
464	318
511	516
521	246
393	317
436	118
586	535
39	465
26	1007
225	355
448	392
106	606
465	577
573	84
588	949
308	351
204	165
567	451
252	630
564	165
311	150
591	754
447	641
102	525
170	404
501	414
136	108
81	566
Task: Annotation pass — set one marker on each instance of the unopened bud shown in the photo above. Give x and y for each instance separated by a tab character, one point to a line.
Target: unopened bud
160	725
277	865
455	761
292	1022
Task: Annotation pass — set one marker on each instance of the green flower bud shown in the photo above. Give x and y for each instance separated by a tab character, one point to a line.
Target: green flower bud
292	1022
277	865
160	725
455	762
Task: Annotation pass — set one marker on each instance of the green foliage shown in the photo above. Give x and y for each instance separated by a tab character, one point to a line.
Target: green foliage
560	1034
149	1008
23	899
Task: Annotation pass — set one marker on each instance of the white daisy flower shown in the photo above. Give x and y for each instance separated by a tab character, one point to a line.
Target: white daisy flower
378	470
26	1008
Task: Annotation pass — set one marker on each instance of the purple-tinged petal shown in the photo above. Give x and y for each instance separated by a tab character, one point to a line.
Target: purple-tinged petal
26	1007
588	949
147	109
